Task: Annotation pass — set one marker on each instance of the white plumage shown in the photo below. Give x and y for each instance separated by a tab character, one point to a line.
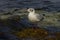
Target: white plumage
32	16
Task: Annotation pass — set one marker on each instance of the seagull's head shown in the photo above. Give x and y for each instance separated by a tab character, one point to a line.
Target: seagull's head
31	10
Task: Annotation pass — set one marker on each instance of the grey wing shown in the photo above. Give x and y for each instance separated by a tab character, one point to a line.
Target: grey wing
40	17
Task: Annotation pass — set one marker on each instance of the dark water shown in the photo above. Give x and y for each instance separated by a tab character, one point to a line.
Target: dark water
50	5
8	4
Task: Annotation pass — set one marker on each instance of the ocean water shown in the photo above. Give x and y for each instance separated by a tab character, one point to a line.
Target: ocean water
5	5
49	5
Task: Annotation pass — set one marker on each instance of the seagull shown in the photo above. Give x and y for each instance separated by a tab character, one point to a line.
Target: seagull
33	16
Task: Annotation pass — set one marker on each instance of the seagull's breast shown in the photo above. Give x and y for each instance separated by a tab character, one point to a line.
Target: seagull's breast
33	17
